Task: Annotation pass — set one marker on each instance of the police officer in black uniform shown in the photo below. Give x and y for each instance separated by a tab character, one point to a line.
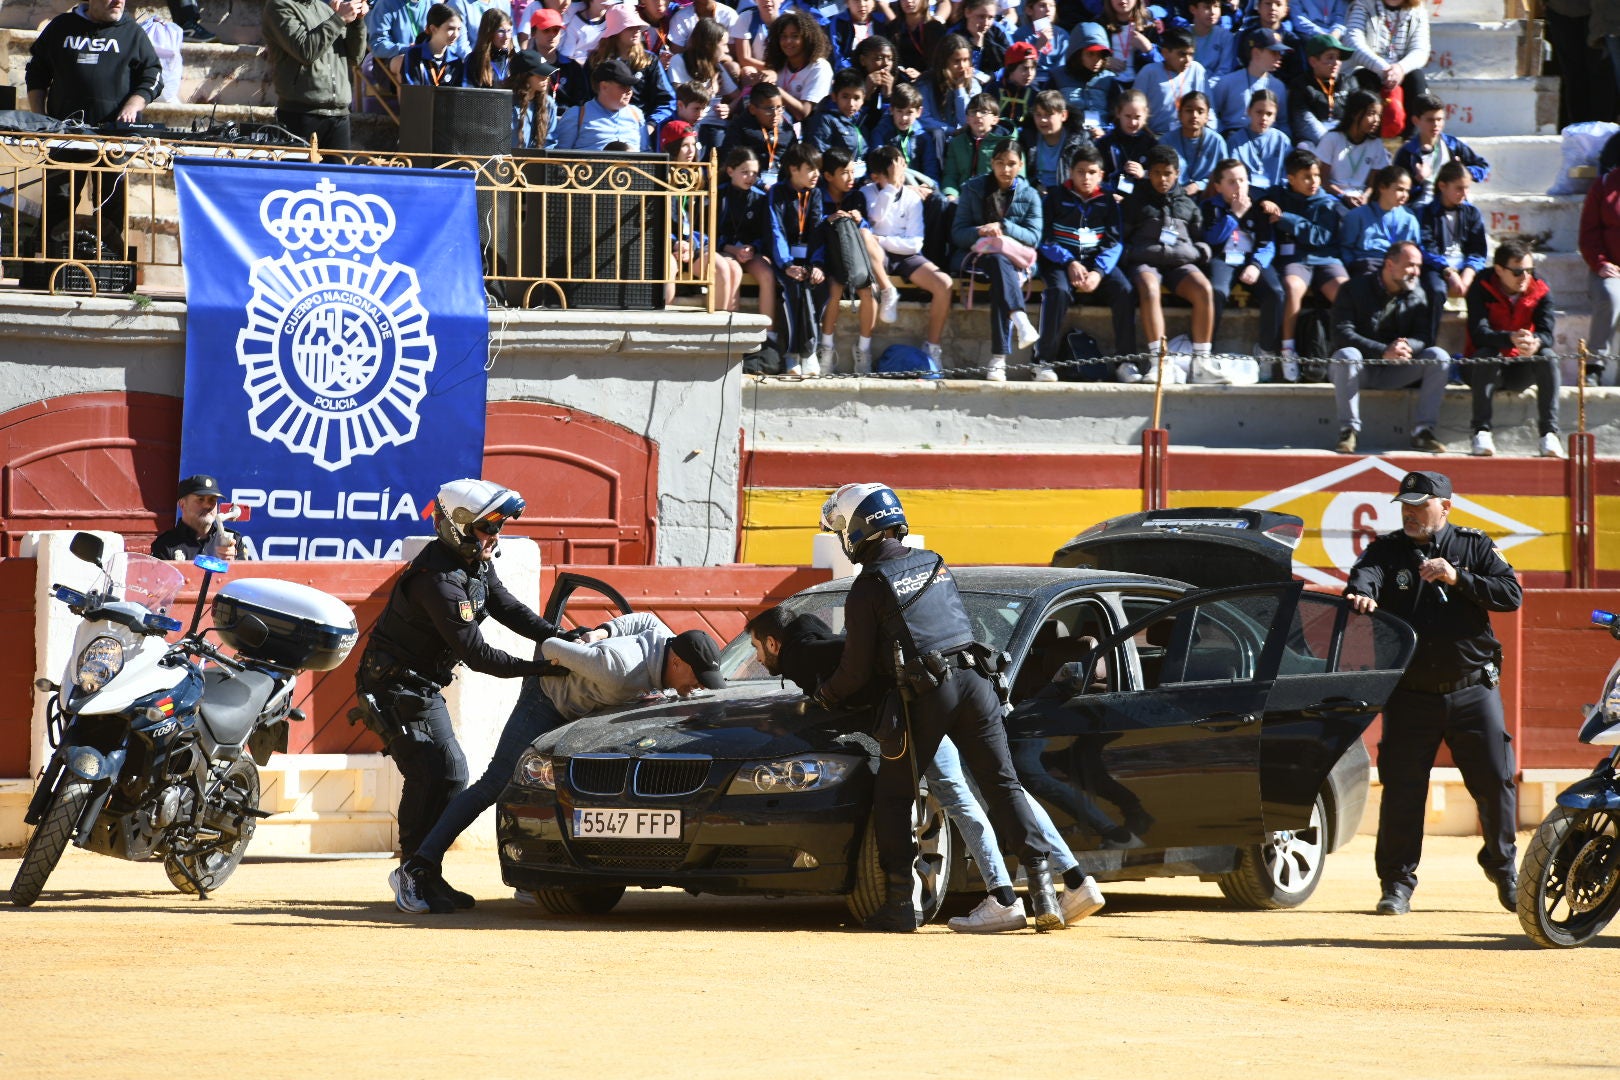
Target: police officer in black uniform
906	627
429	626
1445	581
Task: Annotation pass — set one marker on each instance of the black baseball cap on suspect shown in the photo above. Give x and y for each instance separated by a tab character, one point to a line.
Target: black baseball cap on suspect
702	654
1420	487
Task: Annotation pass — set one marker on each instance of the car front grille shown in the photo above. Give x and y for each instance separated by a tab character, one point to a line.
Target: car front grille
632	854
735	857
669	776
599	775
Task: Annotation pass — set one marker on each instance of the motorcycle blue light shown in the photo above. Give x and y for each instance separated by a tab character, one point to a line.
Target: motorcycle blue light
1602	618
161	623
212	563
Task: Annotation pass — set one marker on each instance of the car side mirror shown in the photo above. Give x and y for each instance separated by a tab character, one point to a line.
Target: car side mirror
88	547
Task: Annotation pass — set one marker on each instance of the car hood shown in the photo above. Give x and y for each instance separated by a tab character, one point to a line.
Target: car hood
747	722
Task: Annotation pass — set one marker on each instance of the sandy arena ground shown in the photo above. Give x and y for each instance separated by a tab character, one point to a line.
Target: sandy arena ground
304	969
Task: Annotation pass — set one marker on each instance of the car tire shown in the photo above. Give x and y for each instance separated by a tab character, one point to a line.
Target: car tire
1284	871
931	876
565	901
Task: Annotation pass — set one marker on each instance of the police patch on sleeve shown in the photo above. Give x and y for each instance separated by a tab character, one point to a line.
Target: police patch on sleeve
466	611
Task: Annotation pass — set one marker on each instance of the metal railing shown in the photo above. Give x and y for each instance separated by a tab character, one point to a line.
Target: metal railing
92	214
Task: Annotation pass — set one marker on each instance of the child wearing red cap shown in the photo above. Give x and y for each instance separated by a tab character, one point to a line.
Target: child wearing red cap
1017	84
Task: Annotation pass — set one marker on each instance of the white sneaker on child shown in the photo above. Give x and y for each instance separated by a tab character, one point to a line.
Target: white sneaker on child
817	360
791	365
1024	333
997	371
863	361
1484	445
1128	372
889	305
1552	446
1290	366
1044	373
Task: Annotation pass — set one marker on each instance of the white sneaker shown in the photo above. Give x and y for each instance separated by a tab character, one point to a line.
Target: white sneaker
791	366
863	361
1128	372
889	305
991	917
821	358
1290	366
405	895
997	371
1483	445
1076	904
1552	446
526	897
1044	373
1024	333
937	352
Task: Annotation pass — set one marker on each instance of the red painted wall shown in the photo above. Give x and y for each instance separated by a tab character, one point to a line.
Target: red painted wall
17	676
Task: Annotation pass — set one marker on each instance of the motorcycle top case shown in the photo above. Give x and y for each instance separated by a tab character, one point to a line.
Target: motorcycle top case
308	629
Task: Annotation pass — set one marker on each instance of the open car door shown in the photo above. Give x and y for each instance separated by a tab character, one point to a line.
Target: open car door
599	602
1338	668
1160	745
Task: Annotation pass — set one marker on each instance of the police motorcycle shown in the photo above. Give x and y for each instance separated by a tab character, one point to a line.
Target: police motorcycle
1569	881
155	742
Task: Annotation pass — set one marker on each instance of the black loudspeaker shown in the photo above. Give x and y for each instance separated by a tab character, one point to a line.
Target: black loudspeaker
613	233
470	122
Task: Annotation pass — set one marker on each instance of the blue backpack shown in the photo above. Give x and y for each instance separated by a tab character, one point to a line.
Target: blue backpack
908	359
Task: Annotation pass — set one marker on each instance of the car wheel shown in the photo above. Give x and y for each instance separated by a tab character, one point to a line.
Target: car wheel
1283	871
565	901
931	875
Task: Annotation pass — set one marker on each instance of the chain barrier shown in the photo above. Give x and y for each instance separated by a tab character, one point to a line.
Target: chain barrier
1149	359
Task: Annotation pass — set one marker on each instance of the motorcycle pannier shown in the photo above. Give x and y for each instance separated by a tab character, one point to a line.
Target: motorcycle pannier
308	629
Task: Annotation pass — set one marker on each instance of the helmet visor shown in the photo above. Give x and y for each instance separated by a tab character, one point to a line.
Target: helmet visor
491	520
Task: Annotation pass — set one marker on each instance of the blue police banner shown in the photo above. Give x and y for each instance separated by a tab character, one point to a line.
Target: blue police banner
336	348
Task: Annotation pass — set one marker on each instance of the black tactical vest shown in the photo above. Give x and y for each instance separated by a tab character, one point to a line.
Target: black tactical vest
927	608
406	634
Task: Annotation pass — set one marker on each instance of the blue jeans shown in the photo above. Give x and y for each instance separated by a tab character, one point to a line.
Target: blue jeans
532	717
950	785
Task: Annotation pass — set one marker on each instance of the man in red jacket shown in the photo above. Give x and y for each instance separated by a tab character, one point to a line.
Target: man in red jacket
1510	314
1600	247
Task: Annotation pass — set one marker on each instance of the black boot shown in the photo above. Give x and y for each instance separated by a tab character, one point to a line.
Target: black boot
897	915
1042	897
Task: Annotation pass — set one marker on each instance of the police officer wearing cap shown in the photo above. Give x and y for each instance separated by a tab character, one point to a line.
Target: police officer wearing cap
201	529
430	626
906	628
1445	581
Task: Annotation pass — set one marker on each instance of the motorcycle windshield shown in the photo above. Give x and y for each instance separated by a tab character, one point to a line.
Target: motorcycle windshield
141	579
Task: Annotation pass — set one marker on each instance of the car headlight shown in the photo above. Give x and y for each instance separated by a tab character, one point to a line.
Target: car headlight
99	662
535	770
804	772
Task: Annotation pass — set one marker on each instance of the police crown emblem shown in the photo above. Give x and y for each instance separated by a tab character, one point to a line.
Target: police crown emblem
336	351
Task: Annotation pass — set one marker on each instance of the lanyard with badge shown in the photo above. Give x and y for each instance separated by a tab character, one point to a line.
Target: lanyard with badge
801	250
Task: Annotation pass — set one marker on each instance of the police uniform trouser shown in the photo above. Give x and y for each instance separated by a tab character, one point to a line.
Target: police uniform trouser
966	708
429	759
1470	722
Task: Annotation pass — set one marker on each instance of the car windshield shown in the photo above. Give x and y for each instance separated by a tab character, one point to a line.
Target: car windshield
994	616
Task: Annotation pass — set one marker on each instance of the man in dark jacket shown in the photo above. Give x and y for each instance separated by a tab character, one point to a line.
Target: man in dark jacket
1386	315
312	44
201	529
1510	313
96	65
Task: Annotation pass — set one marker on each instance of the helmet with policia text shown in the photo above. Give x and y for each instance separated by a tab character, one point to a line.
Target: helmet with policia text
467	507
859	512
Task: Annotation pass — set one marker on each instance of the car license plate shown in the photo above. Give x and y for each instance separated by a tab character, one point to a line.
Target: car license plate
627	824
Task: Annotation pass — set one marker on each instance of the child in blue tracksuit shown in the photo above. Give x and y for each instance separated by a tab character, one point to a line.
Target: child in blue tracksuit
1080	246
1125	149
1430	148
1242	248
835	120
1452	235
1307	246
1261	147
1371	230
797	212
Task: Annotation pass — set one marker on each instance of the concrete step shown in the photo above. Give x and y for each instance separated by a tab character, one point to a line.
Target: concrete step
1550	222
241	27
1478	107
1449	11
1520	164
228	74
1461	51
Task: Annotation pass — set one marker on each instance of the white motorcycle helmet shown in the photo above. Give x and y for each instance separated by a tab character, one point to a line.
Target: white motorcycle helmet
859	512
466	507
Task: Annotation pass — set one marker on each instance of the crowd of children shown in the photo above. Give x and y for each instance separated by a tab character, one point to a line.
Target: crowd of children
1220	151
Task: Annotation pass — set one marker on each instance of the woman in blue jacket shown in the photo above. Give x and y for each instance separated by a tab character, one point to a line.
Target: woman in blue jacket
1000	203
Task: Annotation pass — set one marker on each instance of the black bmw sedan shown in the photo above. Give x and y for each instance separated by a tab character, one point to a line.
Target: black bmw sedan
1167	729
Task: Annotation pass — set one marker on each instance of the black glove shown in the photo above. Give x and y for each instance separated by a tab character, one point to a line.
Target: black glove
576	634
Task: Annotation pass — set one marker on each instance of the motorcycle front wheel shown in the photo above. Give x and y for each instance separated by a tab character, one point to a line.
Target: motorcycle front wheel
1569	885
223	831
45	847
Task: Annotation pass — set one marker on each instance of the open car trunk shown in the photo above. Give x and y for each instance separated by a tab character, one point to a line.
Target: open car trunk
1210	547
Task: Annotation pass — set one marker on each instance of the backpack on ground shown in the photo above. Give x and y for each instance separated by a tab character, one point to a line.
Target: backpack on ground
1313	341
1081	359
908	359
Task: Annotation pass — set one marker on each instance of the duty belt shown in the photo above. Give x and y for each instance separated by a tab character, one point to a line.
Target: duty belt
1473	678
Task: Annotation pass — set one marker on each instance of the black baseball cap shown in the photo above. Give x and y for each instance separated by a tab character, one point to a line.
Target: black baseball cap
201	484
1420	487
615	71
526	62
702	654
1264	38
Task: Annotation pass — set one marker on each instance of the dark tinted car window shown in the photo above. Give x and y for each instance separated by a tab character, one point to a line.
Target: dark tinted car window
994	617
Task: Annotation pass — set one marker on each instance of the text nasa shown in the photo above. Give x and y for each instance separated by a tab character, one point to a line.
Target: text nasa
287	504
